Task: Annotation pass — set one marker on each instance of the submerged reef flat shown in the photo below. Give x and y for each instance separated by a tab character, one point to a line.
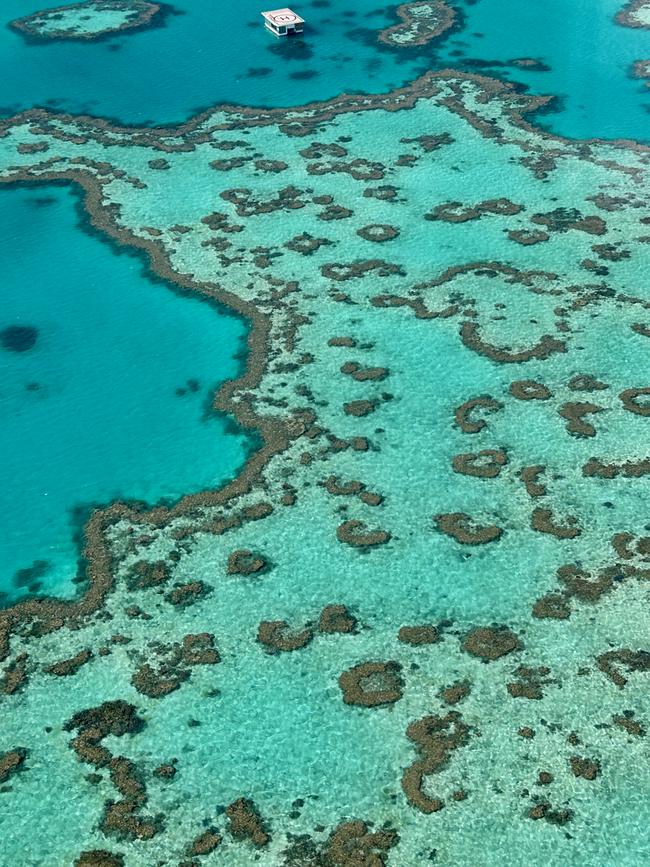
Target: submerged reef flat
91	19
636	13
422	22
414	629
641	69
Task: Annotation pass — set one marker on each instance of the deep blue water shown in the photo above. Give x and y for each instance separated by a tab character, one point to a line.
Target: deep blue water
194	61
90	412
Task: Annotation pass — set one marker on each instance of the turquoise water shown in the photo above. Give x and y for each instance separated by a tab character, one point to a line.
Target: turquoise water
589	63
372	350
167	73
90	413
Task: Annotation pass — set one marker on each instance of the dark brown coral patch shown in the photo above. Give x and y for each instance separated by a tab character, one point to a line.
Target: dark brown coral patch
35	147
14	676
306	244
542	521
352	844
205	843
359	168
463	414
66	667
247	205
544	810
610	252
456	692
11	762
145	574
629	398
384	192
588	769
530	476
199	649
364	374
165	772
491	642
317	150
378	232
333	485
120	818
529	682
582	585
463	529
336	619
435	738
372	684
527	237
641	328
356	534
626	469
544	348
158	682
341	271
245	562
256	512
630	548
456	212
486	464
529	389
227	165
612	661
564	219
627	722
359	408
188	594
220	222
245	822
110	718
370	498
574	413
115	718
168	669
273	166
501	207
348	342
126	779
99	858
429	141
278	636
334	212
554	606
586	382
577	584
418	635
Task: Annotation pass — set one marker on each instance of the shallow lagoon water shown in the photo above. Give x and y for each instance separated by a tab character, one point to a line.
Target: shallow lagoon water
91	413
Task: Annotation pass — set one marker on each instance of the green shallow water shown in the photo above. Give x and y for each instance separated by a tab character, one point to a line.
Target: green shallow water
369	350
